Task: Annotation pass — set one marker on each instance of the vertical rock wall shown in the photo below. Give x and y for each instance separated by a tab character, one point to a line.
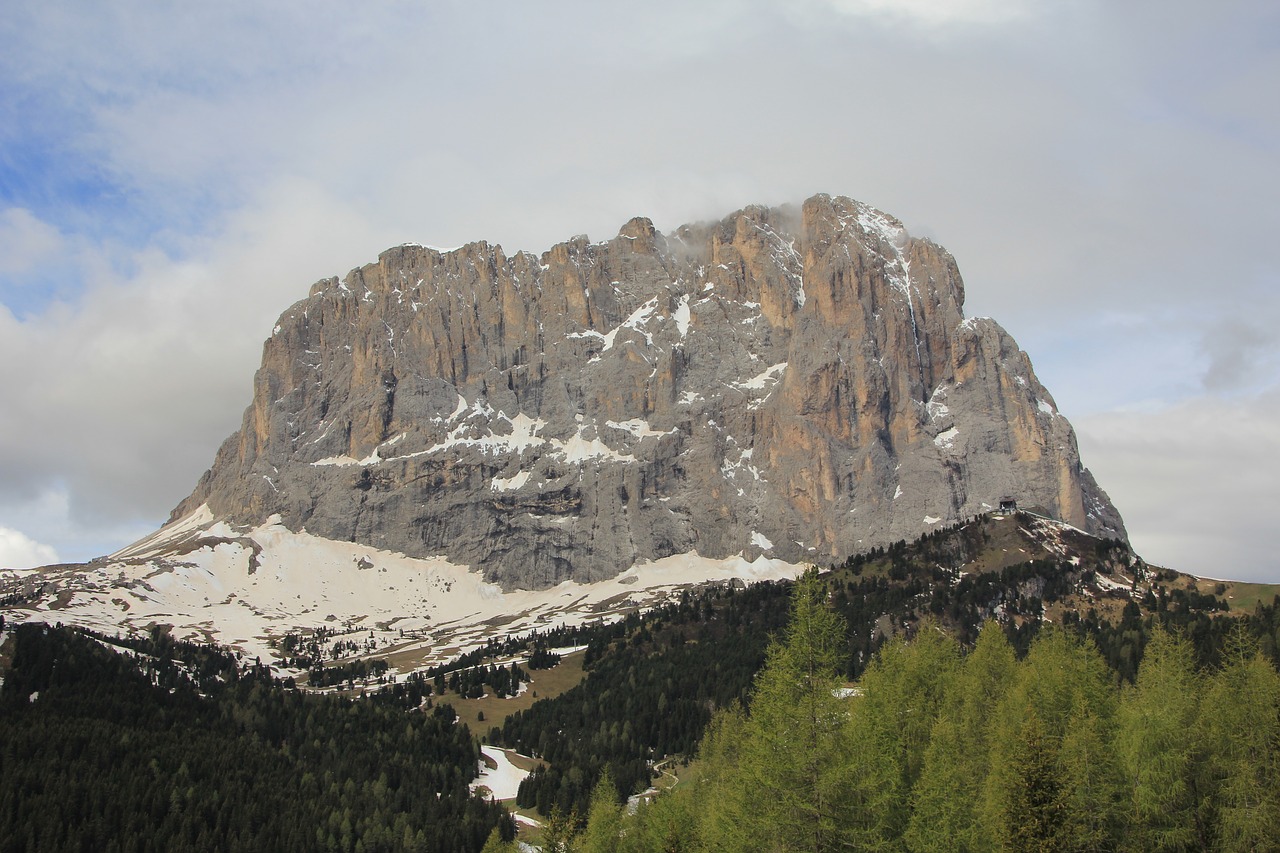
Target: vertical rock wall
796	382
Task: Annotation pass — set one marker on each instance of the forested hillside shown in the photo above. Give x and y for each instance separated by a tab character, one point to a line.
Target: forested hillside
702	654
652	686
943	748
175	747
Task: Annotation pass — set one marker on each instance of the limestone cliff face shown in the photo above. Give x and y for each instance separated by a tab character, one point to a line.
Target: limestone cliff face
800	383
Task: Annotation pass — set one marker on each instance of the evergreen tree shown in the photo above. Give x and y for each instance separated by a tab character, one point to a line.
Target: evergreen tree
944	815
1240	728
888	733
1155	747
604	821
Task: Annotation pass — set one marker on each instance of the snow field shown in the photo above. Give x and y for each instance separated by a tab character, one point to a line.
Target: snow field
200	578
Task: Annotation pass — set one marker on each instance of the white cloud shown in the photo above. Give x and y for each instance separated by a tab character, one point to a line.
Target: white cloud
127	392
1195	481
25	241
19	551
937	13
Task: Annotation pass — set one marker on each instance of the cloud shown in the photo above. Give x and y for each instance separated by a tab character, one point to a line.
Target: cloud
19	551
1195	481
126	392
936	13
25	241
1239	353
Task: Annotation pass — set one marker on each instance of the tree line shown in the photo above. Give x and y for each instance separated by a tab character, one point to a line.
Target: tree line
944	747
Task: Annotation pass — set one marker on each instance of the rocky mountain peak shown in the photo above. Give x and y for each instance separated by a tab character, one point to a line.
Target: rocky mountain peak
794	382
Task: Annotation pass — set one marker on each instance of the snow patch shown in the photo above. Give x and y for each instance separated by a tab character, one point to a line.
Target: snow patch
458	411
1108	584
682	316
579	449
638	427
766	379
245	589
947	438
340	461
636	321
503	781
509	484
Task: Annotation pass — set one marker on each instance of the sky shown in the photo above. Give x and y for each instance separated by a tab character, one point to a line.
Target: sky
173	176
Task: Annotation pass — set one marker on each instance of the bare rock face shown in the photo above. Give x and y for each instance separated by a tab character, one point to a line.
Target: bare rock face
798	383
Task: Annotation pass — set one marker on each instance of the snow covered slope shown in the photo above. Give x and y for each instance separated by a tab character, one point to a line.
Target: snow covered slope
247	588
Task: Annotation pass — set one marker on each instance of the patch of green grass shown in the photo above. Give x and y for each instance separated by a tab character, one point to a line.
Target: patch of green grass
1244	597
547	683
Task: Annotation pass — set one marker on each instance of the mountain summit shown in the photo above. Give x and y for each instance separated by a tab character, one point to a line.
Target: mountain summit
800	384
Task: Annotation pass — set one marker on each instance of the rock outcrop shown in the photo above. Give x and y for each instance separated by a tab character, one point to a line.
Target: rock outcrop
795	382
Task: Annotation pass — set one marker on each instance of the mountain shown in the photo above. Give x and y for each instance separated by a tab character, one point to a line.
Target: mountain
455	443
797	383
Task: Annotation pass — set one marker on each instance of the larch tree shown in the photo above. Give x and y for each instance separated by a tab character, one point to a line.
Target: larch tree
944	800
1240	729
1155	749
903	693
604	820
1062	687
787	795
